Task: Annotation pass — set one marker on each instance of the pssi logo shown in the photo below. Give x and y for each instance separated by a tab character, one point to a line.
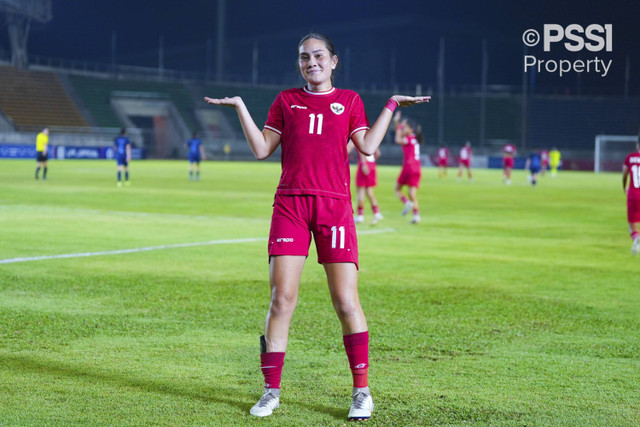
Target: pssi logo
594	37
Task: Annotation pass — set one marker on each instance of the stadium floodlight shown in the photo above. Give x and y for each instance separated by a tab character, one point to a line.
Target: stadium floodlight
611	150
37	10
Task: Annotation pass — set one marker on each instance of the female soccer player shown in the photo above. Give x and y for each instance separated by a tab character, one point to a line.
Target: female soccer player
508	151
196	154
313	125
443	161
122	149
465	161
409	135
631	167
533	164
366	181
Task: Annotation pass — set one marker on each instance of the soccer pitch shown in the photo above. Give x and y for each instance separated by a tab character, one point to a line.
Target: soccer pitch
506	305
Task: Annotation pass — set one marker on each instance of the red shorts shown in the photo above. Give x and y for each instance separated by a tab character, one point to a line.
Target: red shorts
330	220
442	162
633	210
465	163
507	162
410	178
370	180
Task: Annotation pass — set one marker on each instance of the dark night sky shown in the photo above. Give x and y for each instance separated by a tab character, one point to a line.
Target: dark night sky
367	34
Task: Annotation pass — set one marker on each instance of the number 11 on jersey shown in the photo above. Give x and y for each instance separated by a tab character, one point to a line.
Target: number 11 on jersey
312	121
334	232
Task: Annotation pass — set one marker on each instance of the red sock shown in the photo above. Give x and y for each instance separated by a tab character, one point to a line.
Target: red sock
357	347
404	200
376	209
415	211
634	235
271	365
360	210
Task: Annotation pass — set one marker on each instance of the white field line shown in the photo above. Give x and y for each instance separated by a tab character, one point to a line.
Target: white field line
156	248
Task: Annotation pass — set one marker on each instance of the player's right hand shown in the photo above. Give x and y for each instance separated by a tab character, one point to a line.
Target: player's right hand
229	102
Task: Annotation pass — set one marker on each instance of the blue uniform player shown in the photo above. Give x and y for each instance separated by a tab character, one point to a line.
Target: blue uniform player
534	163
196	154
122	148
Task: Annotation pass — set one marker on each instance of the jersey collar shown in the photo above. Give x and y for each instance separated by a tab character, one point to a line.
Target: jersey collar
327	92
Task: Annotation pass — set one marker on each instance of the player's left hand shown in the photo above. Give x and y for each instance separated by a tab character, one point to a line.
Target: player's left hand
405	101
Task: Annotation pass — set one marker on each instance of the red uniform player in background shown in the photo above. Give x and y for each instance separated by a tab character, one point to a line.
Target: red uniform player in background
465	161
366	181
631	168
443	161
409	135
544	158
508	151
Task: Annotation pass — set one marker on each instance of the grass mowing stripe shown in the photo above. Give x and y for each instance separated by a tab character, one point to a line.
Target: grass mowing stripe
156	248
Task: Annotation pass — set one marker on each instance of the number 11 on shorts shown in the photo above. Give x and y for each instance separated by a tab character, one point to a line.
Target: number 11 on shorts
334	232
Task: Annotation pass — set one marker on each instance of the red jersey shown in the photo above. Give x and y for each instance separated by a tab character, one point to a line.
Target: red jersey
544	157
509	150
465	153
314	131
411	154
632	162
443	153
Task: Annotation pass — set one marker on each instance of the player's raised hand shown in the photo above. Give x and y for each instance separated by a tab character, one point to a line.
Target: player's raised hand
229	102
405	101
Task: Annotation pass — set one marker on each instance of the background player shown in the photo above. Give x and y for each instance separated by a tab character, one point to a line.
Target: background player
409	135
196	154
544	161
533	163
42	152
508	151
631	167
465	161
554	161
313	197
122	148
443	161
366	181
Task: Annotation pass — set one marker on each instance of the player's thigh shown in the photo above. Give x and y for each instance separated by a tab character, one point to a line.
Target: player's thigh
289	233
334	231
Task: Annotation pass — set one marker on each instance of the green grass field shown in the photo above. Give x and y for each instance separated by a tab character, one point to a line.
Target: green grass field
507	305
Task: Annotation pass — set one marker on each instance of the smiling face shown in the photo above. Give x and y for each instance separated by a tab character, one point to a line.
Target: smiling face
316	64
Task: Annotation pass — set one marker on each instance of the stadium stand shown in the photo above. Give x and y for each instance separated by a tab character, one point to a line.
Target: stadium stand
96	93
31	99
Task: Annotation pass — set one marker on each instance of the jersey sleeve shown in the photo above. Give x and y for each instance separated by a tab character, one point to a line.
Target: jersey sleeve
275	119
358	120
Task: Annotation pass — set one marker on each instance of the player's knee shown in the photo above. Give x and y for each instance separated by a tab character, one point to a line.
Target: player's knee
283	303
345	308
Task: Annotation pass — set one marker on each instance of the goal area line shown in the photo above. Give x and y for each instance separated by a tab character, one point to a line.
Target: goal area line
160	247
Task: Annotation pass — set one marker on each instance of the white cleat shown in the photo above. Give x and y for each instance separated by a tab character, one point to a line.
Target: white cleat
635	248
267	403
361	407
359	219
376	217
407	208
416	219
508	182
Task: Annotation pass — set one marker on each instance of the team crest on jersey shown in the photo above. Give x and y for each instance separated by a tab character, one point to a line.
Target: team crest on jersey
337	108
